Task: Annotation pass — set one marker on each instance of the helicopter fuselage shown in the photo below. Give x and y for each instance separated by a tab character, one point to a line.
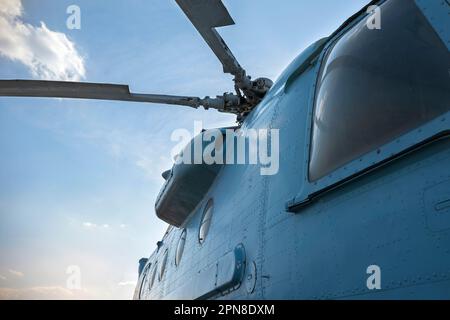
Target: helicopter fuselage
366	216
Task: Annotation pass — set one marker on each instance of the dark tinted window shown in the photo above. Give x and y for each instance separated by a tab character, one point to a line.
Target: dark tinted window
375	85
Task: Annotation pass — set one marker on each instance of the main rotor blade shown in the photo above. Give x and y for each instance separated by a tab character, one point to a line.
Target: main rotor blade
85	90
206	15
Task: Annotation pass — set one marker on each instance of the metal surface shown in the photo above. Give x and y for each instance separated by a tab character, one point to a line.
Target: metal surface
80	90
437	13
394	215
102	91
214	280
205	16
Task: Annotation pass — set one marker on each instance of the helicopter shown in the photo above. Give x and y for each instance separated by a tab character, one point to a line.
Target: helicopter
359	207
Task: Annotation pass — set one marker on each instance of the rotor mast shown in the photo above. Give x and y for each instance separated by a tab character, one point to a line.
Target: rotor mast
211	14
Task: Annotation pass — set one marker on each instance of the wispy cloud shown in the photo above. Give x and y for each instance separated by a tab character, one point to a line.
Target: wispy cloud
16	273
2	277
153	167
47	54
127	283
91	225
54	292
88	224
145	150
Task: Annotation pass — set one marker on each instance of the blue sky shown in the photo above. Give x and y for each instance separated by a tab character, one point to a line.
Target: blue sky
78	179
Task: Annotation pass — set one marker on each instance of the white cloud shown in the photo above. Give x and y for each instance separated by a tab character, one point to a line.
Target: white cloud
2	277
127	283
16	273
11	7
47	54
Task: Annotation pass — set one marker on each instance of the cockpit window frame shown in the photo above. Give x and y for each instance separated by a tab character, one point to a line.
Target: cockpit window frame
366	163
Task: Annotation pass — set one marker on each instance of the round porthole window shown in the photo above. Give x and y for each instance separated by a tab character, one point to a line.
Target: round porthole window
180	247
205	222
163	265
